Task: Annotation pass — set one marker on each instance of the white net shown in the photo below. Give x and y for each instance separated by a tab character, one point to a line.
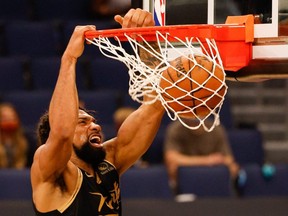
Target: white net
187	75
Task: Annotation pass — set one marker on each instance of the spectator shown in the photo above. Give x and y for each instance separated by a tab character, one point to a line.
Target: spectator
13	142
185	147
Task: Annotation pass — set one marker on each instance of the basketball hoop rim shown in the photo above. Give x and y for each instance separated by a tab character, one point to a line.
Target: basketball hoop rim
218	32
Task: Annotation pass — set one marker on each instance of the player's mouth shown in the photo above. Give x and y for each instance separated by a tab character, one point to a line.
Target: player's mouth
95	140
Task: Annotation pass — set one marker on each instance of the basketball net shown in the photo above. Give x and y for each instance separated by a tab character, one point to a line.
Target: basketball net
144	80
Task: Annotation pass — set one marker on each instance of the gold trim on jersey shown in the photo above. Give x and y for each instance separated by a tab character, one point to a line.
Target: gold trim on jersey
77	188
111	164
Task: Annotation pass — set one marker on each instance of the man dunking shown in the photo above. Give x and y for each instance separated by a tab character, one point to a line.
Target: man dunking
73	172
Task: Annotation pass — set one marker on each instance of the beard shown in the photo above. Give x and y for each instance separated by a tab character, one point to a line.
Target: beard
89	154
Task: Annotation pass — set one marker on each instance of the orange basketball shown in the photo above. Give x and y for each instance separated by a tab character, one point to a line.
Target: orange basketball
195	88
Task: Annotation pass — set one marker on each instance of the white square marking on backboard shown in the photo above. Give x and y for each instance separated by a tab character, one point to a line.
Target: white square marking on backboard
260	30
265	30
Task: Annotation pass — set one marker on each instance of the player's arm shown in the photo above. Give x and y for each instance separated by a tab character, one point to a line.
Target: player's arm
136	134
52	157
138	131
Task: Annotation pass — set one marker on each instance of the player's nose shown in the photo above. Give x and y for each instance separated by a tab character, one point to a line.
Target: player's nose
95	127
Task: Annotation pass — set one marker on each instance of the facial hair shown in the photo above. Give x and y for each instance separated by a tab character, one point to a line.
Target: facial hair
89	154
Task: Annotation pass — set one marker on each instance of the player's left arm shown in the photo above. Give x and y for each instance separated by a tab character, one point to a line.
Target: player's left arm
138	131
135	135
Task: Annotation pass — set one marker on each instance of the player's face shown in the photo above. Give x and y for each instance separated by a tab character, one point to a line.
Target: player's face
88	139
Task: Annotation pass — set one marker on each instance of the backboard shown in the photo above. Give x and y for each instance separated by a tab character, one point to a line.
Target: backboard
270	47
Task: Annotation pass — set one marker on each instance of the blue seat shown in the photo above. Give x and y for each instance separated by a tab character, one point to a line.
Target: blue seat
32	39
147	183
226	116
61	10
45	71
154	155
3	51
12	75
30	105
259	183
15	184
127	101
109	131
15	10
109	74
31	135
204	181
103	102
247	146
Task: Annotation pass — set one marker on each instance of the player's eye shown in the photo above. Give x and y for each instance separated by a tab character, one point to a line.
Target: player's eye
81	122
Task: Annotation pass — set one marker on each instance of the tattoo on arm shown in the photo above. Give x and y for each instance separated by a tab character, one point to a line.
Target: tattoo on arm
149	59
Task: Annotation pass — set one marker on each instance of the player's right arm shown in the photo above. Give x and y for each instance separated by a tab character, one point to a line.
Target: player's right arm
52	158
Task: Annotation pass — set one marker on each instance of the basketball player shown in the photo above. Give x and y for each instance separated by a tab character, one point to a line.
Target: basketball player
74	172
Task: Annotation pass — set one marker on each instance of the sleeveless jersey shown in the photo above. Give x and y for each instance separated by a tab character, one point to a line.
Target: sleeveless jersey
99	195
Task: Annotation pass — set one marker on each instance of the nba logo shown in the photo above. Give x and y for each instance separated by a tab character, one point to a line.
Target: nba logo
159	12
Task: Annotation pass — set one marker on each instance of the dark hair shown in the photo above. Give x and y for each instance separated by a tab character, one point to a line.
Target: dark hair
43	127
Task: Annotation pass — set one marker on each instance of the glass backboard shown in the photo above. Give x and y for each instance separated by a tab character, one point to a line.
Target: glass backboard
270	29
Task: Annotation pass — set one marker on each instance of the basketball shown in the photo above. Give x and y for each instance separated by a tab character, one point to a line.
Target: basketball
187	86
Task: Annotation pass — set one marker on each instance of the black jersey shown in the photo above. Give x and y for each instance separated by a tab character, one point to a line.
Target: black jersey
99	195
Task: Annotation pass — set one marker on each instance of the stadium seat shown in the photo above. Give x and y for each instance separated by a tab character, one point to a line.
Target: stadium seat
15	184
146	183
3	51
108	130
270	183
204	181
127	101
109	74
247	146
31	135
32	39
154	155
12	75
15	10
105	102
44	73
226	117
61	10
